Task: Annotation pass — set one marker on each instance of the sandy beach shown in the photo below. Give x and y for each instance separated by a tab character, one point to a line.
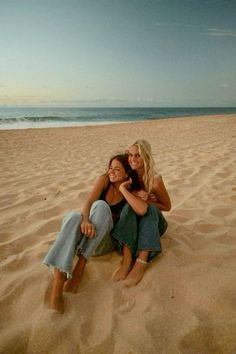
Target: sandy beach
186	302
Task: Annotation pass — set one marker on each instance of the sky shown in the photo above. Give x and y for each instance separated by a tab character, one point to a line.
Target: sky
118	53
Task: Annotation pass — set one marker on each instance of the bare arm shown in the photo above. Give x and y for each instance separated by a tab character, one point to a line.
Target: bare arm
99	186
162	200
136	203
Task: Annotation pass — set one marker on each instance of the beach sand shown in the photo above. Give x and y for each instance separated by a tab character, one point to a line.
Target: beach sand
186	302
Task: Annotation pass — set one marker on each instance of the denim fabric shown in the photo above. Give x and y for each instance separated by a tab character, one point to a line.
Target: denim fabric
70	240
140	232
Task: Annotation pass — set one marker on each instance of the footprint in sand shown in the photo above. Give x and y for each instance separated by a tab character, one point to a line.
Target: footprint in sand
221	212
207	228
233	198
223	174
183	215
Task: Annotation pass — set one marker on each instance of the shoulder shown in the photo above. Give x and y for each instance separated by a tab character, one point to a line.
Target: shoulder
102	181
158	185
157	180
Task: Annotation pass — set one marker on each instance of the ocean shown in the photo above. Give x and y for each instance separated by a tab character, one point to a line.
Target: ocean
44	117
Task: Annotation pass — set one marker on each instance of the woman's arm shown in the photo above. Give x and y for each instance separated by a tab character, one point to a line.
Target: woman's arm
136	203
162	197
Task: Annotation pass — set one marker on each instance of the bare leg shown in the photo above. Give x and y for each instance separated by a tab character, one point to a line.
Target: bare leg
72	284
137	272
122	272
56	297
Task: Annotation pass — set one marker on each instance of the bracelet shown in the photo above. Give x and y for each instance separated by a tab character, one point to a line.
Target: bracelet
141	261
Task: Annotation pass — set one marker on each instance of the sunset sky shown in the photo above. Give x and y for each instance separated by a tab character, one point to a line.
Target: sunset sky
118	53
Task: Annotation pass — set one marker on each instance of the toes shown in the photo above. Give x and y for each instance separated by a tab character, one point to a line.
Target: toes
116	275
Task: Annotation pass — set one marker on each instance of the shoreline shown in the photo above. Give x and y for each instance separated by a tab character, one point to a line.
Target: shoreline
89	124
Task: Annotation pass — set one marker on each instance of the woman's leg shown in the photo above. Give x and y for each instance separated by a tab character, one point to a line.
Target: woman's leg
100	216
126	264
62	252
125	234
72	283
138	270
149	232
148	244
60	256
125	231
56	298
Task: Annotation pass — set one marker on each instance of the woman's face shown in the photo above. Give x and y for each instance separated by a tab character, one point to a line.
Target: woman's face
135	160
116	172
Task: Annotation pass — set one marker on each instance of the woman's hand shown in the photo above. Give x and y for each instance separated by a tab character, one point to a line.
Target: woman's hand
137	203
125	184
141	194
87	229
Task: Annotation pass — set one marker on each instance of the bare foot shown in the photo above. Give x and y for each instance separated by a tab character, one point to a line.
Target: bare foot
136	274
56	303
121	272
71	285
56	298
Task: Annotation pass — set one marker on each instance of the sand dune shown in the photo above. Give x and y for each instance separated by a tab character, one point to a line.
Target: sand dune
186	301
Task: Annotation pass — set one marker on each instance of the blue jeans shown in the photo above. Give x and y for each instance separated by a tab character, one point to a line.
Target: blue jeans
140	233
70	240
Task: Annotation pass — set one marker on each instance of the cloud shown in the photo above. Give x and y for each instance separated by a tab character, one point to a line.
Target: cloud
212	32
174	24
215	32
224	85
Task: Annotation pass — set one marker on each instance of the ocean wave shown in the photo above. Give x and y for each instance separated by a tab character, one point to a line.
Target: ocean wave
40	117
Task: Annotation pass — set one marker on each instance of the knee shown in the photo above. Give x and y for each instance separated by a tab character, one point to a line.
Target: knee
72	216
100	205
127	211
100	213
127	208
153	211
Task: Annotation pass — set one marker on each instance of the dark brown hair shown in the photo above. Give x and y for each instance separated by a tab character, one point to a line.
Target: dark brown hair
123	159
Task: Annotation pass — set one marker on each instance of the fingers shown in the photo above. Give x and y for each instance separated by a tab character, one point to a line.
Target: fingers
143	195
126	184
88	229
91	231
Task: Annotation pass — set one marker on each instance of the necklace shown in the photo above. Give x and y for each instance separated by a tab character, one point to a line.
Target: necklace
115	190
115	194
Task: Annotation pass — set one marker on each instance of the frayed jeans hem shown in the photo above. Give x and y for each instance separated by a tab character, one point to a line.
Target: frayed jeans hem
51	267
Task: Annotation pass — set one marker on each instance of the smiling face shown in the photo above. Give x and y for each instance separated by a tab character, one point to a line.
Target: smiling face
135	160
116	172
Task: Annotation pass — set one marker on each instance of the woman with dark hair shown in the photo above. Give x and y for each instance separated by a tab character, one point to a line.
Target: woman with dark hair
87	233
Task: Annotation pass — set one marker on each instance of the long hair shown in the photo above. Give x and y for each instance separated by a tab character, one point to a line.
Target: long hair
123	159
145	152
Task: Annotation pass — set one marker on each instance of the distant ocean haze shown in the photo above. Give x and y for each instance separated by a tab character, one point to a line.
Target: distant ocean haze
42	117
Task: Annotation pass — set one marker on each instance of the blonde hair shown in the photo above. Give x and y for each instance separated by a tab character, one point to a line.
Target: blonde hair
145	152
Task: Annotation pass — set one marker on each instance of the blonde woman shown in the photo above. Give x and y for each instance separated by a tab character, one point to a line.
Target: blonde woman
138	237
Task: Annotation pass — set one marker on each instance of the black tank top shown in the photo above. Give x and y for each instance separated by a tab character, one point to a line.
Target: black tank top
115	208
